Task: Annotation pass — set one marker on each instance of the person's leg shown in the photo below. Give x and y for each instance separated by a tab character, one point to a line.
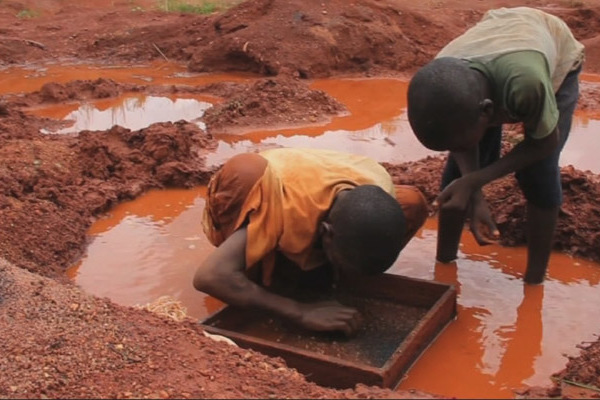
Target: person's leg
541	186
489	151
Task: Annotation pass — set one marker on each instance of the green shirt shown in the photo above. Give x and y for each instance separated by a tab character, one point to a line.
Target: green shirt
522	87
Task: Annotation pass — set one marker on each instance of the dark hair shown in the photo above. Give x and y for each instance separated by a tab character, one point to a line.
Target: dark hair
368	228
443	100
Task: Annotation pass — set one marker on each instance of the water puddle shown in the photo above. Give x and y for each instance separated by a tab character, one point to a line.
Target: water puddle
148	248
377	125
506	336
131	111
24	80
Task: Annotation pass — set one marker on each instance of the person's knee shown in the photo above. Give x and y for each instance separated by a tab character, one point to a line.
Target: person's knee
541	186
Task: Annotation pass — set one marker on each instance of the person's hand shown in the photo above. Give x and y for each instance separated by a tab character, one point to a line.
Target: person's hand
329	316
482	224
457	195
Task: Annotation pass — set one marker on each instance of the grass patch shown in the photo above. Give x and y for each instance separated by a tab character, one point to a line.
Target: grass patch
27	14
189	7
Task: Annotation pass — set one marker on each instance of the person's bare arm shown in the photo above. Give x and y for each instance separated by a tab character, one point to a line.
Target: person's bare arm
451	221
223	276
523	154
467	190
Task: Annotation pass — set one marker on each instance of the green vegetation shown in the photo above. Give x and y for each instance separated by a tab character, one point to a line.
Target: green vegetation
27	14
189	7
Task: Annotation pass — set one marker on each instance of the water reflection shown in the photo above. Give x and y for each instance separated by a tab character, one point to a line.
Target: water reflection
506	335
132	112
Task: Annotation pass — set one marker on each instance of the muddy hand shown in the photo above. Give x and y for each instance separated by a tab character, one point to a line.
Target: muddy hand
330	316
456	195
482	224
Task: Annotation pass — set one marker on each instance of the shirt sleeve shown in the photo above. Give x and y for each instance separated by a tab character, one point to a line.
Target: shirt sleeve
530	97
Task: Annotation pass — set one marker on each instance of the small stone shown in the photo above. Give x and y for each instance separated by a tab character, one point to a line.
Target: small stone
74	306
163	394
119	346
13	388
324	12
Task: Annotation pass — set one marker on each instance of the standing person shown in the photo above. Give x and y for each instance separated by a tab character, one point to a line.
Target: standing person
515	65
318	209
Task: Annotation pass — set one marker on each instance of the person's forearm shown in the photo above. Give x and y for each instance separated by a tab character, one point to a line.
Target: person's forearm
451	222
240	291
523	154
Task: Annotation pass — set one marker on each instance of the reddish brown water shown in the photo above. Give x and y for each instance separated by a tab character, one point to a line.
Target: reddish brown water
20	80
376	125
506	335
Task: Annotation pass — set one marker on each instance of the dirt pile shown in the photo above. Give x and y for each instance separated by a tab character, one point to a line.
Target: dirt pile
589	98
52	186
75	345
316	39
583	370
311	38
272	102
577	230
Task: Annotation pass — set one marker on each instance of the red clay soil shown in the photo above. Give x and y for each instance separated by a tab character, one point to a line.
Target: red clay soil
306	38
589	98
272	102
67	344
583	370
52	186
59	342
577	231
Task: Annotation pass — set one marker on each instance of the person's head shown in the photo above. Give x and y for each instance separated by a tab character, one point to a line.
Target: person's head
363	232
447	105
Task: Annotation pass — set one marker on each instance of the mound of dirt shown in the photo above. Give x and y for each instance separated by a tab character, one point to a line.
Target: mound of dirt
272	102
306	38
80	90
577	229
72	345
589	98
52	186
316	39
583	369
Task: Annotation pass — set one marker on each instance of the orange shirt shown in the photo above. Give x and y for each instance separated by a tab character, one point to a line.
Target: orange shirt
286	202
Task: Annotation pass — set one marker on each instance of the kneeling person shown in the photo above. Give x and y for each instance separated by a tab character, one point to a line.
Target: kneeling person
318	209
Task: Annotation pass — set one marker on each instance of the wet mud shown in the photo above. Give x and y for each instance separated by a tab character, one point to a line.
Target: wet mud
51	187
272	102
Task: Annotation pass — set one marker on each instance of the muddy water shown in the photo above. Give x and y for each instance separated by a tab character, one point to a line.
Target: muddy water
22	80
376	125
506	335
148	248
130	111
